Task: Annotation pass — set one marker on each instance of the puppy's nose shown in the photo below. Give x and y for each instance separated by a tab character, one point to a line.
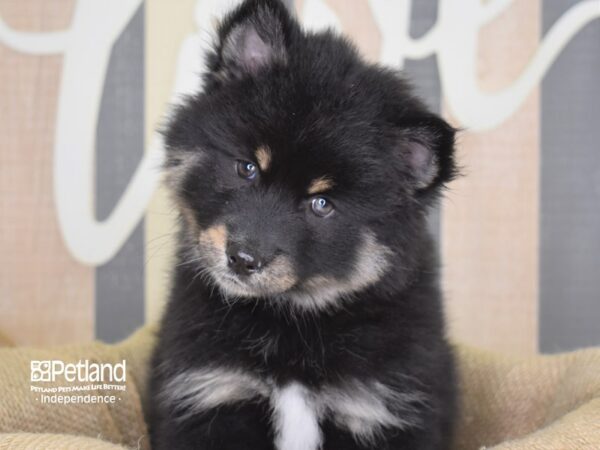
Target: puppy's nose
243	261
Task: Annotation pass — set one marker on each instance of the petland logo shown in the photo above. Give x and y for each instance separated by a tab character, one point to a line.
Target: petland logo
81	372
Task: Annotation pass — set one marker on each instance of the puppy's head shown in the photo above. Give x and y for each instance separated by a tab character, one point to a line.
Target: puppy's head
302	172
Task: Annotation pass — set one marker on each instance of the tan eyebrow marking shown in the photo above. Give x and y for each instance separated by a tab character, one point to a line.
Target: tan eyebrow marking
263	156
319	185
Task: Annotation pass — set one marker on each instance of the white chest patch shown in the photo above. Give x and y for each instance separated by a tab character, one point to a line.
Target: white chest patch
364	408
295	419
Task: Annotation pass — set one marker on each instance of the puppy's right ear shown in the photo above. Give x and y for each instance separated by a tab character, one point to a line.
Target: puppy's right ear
251	38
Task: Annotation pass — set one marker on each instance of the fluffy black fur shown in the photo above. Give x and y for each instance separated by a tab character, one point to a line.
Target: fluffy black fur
321	111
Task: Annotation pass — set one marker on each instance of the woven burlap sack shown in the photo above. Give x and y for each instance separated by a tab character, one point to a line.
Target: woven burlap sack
122	423
46	441
539	402
507	403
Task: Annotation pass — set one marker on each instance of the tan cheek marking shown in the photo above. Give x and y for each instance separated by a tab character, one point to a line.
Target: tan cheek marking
320	185
285	282
263	156
216	236
281	274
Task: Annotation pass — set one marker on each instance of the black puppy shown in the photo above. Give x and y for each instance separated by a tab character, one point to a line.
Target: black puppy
305	311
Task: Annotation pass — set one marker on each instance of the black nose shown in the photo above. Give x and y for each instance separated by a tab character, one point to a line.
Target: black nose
243	261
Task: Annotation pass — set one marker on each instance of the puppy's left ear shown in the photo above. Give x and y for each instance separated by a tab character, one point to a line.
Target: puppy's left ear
251	38
427	149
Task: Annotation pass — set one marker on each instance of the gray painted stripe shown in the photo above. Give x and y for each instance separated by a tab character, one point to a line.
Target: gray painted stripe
570	192
424	72
424	76
120	145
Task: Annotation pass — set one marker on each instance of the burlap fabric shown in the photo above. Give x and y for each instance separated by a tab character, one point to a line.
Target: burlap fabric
22	414
541	402
508	403
48	441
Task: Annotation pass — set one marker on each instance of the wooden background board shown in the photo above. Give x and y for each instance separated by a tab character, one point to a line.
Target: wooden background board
489	226
46	297
490	218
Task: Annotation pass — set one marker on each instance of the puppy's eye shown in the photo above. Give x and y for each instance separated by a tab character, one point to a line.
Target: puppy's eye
321	206
246	170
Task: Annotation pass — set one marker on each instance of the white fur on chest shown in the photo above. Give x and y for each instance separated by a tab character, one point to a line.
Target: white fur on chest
363	408
295	419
